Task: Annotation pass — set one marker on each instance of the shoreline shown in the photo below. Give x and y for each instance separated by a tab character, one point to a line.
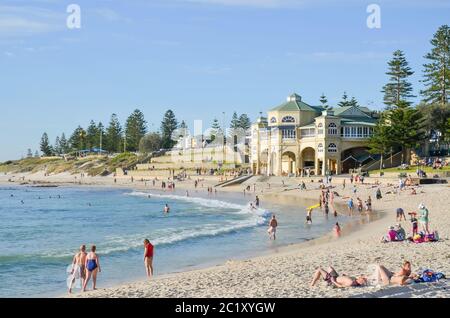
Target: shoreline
301	257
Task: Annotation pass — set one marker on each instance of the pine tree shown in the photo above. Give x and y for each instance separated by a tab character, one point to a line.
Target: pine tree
324	101
234	121
183	125
215	129
398	88
380	142
36	154
437	71
29	153
92	135
101	135
45	146
407	127
57	146
135	129
244	122
77	140
436	119
353	102
113	136
344	102
63	144
168	125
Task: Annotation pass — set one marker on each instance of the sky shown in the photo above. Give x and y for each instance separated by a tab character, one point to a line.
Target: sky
199	58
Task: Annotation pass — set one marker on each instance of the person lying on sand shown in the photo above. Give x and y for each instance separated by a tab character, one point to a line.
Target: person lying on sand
402	277
334	279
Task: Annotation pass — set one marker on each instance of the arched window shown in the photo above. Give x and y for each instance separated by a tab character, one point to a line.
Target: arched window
273	120
319	148
288	119
332	129
332	148
320	129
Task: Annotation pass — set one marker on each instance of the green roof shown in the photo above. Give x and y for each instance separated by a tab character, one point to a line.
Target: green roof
294	104
361	111
340	110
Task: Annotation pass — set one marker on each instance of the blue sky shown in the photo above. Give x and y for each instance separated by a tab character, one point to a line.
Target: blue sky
197	57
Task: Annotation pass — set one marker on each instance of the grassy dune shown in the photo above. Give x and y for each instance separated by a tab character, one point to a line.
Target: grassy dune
92	166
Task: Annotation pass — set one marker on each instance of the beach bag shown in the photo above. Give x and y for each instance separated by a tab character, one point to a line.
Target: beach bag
428	276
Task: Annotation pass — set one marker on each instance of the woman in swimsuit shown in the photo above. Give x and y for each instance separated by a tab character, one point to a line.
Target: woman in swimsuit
92	266
333	278
387	277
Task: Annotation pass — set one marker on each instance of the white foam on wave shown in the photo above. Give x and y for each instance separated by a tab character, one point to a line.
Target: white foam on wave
243	209
172	236
168	236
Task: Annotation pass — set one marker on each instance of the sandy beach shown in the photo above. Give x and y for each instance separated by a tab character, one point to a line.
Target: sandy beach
288	272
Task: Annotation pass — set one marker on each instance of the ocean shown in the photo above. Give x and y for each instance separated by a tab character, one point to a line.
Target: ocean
42	228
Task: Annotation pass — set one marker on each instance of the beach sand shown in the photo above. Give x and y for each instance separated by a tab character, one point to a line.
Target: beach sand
288	272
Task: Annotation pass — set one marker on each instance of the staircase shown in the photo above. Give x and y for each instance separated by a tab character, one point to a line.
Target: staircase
393	161
234	181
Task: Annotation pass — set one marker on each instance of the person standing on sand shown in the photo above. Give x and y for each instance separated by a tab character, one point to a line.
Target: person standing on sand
92	265
369	204
272	227
78	270
350	206
257	202
423	218
148	257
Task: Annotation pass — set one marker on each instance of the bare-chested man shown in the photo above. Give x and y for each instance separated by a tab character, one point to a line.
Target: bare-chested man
78	270
272	227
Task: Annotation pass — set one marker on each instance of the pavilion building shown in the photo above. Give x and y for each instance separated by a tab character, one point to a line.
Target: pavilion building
299	139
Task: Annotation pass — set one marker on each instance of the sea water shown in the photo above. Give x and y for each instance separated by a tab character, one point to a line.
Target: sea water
42	228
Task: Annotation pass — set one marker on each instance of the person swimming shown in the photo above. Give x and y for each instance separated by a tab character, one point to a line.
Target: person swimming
166	208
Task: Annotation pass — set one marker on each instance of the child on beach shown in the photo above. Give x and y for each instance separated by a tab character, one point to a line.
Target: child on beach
359	204
308	216
414	223
337	230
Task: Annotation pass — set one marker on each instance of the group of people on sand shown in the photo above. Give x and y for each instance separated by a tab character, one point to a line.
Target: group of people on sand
84	266
367	205
420	231
87	265
381	276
